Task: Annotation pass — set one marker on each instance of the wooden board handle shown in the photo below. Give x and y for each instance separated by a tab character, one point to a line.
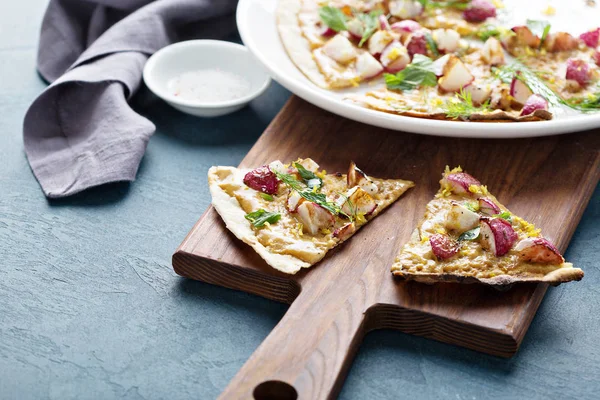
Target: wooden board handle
308	353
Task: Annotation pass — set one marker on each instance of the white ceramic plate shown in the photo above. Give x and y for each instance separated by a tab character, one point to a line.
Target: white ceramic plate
256	23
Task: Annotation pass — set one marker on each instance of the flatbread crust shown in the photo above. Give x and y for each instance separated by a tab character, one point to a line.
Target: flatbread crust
233	214
295	44
472	270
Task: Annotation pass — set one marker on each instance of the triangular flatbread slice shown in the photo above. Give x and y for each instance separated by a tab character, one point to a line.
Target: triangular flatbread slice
292	214
467	236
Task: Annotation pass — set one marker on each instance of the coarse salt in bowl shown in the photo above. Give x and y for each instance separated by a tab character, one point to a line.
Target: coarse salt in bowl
206	78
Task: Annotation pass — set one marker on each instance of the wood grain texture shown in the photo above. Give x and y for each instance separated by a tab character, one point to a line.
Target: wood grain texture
546	180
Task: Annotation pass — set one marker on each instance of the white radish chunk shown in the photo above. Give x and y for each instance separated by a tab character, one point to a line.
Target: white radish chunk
455	76
492	52
519	91
357	177
405	9
479	94
533	103
367	66
440	64
340	49
293	201
314	217
447	40
539	250
345	231
395	57
379	41
459	218
357	201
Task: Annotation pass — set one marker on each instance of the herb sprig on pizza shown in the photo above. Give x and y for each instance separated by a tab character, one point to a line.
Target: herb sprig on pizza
293	214
468	236
442	59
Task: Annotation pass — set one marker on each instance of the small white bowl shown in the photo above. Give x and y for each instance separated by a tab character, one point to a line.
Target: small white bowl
175	59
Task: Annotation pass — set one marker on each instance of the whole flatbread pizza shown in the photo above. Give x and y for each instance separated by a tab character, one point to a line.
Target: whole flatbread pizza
450	60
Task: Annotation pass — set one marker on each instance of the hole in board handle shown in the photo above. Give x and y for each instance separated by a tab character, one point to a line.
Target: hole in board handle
275	390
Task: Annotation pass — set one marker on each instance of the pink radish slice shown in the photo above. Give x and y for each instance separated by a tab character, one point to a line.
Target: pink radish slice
417	44
497	235
578	71
488	207
460	182
442	246
539	250
534	102
591	38
479	11
407	25
262	179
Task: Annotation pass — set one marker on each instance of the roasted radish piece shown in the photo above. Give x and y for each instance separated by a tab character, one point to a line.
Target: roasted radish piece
442	246
345	231
446	40
479	94
520	91
560	41
596	57
487	206
525	37
459	182
460	218
314	217
439	65
384	24
497	235
379	41
405	9
578	71
539	250
501	98
340	49
492	52
356	177
416	43
406	26
533	103
479	11
293	201
262	179
356	201
591	38
395	57
455	76
367	66
355	28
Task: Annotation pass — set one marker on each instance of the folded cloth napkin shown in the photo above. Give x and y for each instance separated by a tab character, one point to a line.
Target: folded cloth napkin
80	132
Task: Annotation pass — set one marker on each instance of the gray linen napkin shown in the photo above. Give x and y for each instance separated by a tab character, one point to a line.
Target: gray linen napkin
80	132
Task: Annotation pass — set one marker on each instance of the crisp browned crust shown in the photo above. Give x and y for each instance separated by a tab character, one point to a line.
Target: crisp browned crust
553	278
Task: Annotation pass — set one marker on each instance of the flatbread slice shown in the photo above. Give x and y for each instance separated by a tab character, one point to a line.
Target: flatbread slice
467	236
292	214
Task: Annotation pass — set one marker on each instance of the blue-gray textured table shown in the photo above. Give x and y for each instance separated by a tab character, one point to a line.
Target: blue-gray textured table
90	307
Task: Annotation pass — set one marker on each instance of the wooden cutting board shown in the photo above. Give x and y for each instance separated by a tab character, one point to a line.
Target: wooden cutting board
547	181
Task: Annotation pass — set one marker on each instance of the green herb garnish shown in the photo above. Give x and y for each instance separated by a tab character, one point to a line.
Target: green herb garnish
260	217
266	196
537	85
418	73
432	4
431	45
334	18
370	22
472	206
472	234
309	194
310	179
504	215
487	31
461	106
539	28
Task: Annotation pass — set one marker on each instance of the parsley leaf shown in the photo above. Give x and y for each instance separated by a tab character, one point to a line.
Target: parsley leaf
418	73
334	18
310	179
260	217
370	22
504	215
472	234
461	106
432	4
539	28
431	45
308	194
